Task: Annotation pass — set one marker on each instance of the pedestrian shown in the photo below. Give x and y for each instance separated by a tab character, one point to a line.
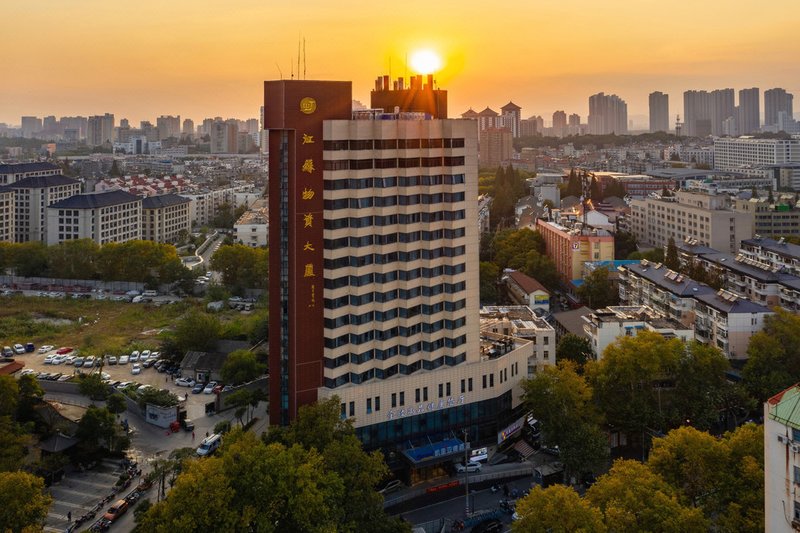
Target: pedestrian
166	378
69	516
192	436
206	433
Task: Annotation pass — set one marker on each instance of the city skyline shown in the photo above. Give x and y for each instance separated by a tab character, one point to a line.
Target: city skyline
196	61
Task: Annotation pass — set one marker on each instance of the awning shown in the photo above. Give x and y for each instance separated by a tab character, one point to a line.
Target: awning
435	452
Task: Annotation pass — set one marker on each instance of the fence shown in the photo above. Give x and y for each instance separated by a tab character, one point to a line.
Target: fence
260	383
74	285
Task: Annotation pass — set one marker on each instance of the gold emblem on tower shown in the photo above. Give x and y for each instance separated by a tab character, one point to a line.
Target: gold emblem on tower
308	105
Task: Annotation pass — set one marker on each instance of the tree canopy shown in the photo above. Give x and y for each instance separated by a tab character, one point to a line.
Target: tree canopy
241	366
242	267
574	348
773	362
597	290
557	509
25	502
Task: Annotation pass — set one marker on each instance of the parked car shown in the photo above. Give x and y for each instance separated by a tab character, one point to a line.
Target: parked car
198	388
64	350
185	382
392	486
218	389
134	356
136	369
88	362
19	349
49	359
145	355
58	359
187	424
78	362
7	351
148	363
30	347
65	377
209	445
70	359
210	387
123	359
46	348
112	359
116	510
472	466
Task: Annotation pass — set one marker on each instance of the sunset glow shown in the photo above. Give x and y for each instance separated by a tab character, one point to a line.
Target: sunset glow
425	62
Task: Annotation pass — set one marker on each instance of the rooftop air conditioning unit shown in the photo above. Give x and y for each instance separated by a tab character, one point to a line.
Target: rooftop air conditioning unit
795	448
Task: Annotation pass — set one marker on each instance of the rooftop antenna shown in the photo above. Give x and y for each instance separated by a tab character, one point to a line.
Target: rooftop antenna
298	57
304	58
279	69
291	65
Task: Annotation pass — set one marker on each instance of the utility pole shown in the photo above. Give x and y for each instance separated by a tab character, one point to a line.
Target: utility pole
466	471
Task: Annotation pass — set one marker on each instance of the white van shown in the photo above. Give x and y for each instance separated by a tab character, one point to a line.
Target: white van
209	445
150	294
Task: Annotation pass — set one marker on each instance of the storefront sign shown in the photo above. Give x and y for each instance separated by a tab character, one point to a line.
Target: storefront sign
425	407
437	488
479	454
510	430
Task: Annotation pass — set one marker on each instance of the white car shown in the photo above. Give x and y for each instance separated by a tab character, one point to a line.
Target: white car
69	359
155	355
210	387
185	382
88	362
46	348
19	349
145	355
470	467
135	356
27	371
136	369
58	359
49	359
123	359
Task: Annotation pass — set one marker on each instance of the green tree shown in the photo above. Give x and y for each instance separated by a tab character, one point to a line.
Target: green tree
489	275
633	498
75	259
9	395
114	172
97	426
241	366
14	442
574	186
700	385
26	502
116	403
159	397
595	190
574	348
197	331
30	259
556	509
92	386
671	260
30	394
562	400
624	244
597	289
773	362
242	267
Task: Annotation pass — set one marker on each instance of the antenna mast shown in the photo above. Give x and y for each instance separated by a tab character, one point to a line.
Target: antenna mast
304	58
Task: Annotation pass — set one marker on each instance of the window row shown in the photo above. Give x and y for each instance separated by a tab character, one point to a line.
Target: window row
370	297
375	277
394	219
392	144
394	200
375	354
393	162
398	369
383	240
413	329
420	346
393	181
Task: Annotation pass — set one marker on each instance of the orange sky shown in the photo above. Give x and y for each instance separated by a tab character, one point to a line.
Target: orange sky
202	58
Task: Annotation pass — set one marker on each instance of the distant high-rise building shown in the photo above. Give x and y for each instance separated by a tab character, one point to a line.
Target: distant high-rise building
532	126
574	120
607	114
488	118
168	126
124	123
559	123
496	146
705	111
100	129
76	124
659	111
50	126
188	127
224	137
749	113
31	126
775	101
511	113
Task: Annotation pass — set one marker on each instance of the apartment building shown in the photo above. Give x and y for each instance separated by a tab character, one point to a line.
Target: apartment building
519	321
749	278
32	195
111	216
782	461
705	217
727	321
205	204
775	253
252	228
165	218
604	326
13	172
525	290
6	214
732	153
571	246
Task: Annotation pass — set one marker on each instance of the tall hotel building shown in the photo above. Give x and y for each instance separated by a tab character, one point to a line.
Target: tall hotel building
374	270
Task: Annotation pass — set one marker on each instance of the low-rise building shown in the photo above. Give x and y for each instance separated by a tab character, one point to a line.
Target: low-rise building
252	228
165	218
525	290
13	172
770	218
604	326
570	247
727	321
782	461
776	253
112	216
519	321
747	277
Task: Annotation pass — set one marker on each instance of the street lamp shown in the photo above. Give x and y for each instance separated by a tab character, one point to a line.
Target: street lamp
466	472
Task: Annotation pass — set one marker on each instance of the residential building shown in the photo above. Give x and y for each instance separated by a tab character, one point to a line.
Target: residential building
188	127
706	217
484	205
12	172
32	195
607	114
659	112
525	290
532	126
605	326
374	275
112	216
168	126
100	130
570	247
770	218
776	101
31	126
705	111
734	153
252	228
782	461
488	119
6	214
727	321
521	322
747	277
166	218
559	123
511	114
224	137
571	321
779	254
749	111
496	146
205	204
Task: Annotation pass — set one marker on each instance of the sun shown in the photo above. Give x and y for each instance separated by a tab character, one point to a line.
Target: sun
425	61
